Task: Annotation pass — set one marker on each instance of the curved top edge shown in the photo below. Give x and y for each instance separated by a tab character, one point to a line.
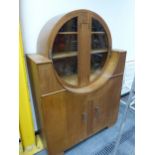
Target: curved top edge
43	42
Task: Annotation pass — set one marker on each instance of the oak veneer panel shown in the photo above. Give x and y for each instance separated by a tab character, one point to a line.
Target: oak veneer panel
105	104
114	97
99	114
64	120
121	62
54	117
46	81
110	99
63	114
76	108
39	59
90	116
35	87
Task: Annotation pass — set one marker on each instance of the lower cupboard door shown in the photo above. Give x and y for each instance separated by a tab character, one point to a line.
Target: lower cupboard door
54	122
76	115
99	115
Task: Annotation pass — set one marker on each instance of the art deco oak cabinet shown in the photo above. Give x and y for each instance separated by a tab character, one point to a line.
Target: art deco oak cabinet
76	79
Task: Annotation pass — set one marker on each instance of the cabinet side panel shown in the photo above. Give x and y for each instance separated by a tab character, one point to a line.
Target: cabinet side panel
35	86
113	100
121	63
114	90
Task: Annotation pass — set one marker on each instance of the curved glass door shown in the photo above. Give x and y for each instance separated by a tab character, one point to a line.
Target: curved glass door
99	48
79	53
64	52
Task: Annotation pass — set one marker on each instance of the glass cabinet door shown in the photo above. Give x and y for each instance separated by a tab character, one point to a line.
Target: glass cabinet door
64	52
79	51
99	47
65	43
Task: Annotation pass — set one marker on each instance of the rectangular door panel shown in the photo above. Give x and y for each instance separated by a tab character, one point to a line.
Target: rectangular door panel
54	122
76	115
99	114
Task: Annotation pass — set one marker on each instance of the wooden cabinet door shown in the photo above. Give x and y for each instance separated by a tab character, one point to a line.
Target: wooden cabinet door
54	122
65	120
76	117
99	114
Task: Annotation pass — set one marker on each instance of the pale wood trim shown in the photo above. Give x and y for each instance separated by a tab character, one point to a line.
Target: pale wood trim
99	51
74	53
67	32
84	39
52	93
64	55
98	32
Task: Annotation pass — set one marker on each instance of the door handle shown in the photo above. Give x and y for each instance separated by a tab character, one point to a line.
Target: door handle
84	117
97	111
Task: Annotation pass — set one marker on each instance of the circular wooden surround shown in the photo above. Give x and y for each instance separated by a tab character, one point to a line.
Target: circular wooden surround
79	44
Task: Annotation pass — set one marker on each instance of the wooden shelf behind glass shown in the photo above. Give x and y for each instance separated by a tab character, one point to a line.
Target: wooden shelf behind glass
77	32
67	32
95	51
60	55
98	32
64	54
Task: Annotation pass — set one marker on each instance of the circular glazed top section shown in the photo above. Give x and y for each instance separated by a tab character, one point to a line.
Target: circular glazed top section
79	45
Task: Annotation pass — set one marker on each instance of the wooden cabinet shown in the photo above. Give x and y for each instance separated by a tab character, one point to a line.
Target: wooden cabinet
76	79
